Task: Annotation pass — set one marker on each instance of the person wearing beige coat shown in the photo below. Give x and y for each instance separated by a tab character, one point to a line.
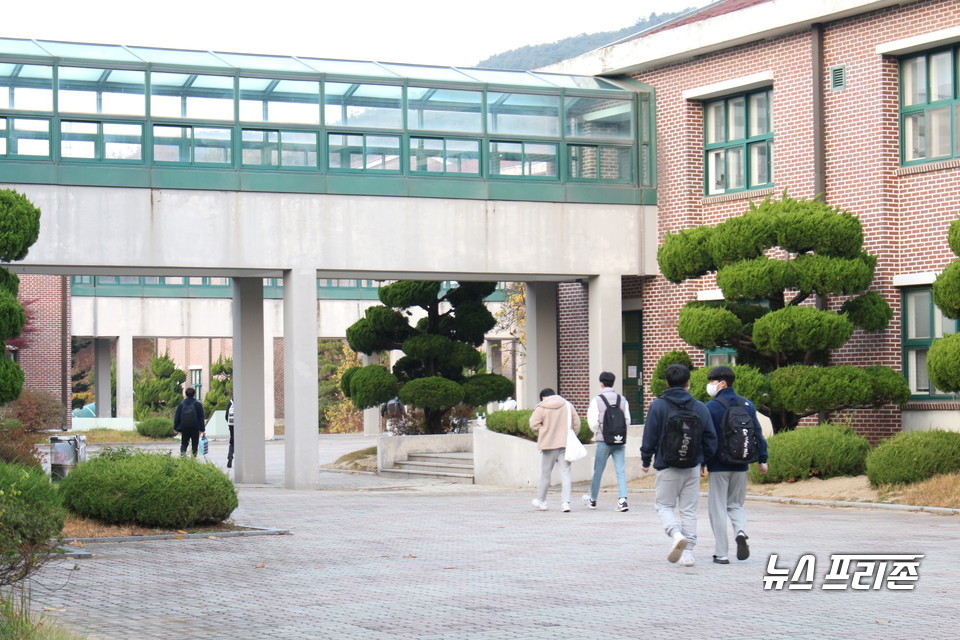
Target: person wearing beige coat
551	421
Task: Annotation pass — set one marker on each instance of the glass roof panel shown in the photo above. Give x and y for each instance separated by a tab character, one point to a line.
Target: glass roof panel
179	57
520	78
213	82
21	47
113	53
264	63
126	77
349	67
577	82
297	86
426	73
81	73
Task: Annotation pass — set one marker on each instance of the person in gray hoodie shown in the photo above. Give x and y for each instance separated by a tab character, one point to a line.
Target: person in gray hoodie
678	487
551	421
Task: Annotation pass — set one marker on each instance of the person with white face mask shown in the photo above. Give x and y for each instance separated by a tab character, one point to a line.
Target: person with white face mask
738	434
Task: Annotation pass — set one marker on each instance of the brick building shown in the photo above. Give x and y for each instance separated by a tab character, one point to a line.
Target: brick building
813	90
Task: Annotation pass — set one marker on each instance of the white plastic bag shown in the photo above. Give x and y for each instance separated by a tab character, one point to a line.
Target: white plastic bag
575	449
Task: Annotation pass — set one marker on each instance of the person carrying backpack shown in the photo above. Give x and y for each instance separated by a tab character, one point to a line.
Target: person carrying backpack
608	415
740	442
188	421
678	436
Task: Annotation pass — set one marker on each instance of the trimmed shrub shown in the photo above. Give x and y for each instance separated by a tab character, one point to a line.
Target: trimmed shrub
150	490
658	380
31	513
17	446
35	410
823	451
517	423
156	428
914	456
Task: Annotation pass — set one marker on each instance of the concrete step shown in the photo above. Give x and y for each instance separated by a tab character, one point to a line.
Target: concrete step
461	458
452	467
449	476
435	465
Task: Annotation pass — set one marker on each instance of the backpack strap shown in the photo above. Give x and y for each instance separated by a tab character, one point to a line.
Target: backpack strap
602	397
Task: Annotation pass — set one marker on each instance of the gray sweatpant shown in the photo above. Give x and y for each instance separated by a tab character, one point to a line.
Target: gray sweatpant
548	458
728	491
679	489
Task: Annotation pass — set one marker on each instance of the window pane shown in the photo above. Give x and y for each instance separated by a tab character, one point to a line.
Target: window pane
506	158
78	140
177	95
171	144
444	110
540	160
260	147
426	154
946	325
941	76
583	162
267	100
735	168
345	152
918	314
716	182
736	119
917	363
30	137
615	163
211	145
715	120
382	153
122	141
914	143
759	163
3	136
759	114
363	105
27	87
463	156
523	114
599	118
938	121
83	90
299	149
913	78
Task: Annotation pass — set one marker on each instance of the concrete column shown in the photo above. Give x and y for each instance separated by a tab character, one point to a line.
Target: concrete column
101	376
371	416
300	386
540	367
124	377
248	381
606	327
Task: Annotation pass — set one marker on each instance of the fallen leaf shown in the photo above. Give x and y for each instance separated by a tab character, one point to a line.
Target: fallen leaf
449	567
212	538
53	609
262	565
179	531
409	555
76	543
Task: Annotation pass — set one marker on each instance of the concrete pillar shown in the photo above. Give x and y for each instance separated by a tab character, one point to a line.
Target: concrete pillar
540	368
248	381
606	327
101	376
371	416
124	376
300	386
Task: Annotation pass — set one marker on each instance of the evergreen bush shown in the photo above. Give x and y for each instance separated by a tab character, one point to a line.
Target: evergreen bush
150	490
823	451
31	514
517	423
156	428
914	456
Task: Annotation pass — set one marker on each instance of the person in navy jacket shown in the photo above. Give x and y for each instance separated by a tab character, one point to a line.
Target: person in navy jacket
728	482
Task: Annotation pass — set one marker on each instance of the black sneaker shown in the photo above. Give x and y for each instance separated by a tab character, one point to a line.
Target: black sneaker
743	551
721	559
622	505
587	500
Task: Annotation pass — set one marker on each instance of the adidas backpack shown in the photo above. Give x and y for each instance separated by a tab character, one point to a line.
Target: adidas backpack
680	441
739	443
614	423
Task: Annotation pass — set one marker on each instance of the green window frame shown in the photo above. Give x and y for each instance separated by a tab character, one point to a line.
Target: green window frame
101	141
738	143
279	148
196	145
599	163
719	357
444	156
929	107
523	160
364	153
26	138
922	323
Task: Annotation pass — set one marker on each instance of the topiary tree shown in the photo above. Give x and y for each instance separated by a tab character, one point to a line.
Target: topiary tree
763	316
19	228
943	361
221	386
158	389
440	363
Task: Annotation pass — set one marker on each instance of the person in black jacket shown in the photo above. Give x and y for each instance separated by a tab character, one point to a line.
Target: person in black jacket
188	420
728	481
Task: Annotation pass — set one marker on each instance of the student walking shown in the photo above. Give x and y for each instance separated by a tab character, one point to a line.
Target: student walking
551	421
608	416
188	421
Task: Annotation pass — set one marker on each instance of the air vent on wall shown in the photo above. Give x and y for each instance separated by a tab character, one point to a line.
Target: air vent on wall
838	77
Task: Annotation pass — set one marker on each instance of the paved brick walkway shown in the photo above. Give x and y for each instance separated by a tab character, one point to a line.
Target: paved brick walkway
371	558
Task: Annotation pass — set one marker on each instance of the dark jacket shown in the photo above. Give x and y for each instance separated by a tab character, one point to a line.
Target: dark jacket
189	404
657	418
717	410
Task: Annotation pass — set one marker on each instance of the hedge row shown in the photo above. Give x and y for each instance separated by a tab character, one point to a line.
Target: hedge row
517	423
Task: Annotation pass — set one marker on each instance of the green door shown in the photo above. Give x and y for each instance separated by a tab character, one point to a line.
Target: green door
632	375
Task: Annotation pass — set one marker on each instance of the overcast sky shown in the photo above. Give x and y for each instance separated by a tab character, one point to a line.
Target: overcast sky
438	32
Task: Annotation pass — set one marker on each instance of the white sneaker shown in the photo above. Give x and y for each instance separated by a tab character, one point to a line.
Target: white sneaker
587	500
540	504
565	507
686	558
679	544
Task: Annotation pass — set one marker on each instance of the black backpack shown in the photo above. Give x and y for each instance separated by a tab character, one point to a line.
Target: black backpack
682	436
188	415
614	423
739	443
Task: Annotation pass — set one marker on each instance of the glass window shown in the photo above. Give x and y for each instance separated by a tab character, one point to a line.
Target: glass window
599	117
523	114
101	141
3	136
122	141
26	87
279	148
929	115
289	101
200	97
594	162
363	152
439	156
28	137
116	92
204	145
79	139
444	110
363	105
523	159
738	139
923	323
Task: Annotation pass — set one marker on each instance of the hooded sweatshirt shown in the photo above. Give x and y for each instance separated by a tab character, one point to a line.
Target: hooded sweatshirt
657	419
550	421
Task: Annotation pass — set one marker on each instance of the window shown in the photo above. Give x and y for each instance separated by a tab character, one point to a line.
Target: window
738	143
444	156
101	141
184	95
27	137
359	152
287	101
279	148
26	87
523	159
720	356
598	162
929	110
923	322
363	105
117	91
199	145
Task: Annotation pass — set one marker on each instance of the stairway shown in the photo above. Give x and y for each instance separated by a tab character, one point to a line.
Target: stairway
451	467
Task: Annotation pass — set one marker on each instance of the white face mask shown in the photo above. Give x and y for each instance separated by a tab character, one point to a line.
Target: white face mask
713	389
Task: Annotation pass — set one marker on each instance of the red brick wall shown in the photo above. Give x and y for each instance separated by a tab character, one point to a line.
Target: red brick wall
573	336
45	353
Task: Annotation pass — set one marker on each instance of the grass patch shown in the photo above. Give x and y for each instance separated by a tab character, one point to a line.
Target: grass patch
17	621
938	491
356	455
76	527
